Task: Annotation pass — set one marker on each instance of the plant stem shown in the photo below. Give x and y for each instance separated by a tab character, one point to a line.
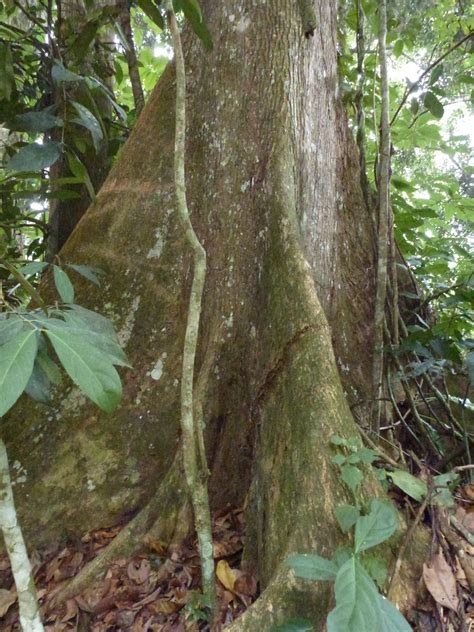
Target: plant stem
383	185
196	476
21	568
25	284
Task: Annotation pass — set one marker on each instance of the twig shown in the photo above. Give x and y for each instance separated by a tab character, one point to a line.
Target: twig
412	87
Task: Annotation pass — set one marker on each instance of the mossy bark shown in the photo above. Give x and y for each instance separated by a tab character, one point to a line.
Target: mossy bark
275	198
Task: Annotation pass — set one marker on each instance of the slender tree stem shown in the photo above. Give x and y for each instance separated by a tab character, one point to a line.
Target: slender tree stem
196	476
30	619
25	284
131	55
383	185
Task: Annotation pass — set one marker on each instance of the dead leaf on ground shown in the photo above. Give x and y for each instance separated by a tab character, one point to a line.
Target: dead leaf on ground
441	582
139	571
7	599
225	574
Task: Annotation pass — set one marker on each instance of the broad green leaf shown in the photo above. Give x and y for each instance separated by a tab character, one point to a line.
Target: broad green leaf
351	476
347	516
89	121
376	527
35	157
7	74
391	619
339	459
436	74
38	385
17	358
80	171
414	487
308	566
151	10
96	322
33	267
398	48
89	273
36	122
88	367
193	14
357	606
10	326
49	367
76	331
341	555
337	440
63	285
60	74
433	104
367	455
376	566
293	625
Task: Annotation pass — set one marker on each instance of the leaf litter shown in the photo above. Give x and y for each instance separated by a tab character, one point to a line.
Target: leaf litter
157	590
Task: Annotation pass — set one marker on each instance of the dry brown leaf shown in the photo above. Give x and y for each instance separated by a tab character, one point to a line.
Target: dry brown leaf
165	606
139	571
440	581
225	574
7	599
468	491
245	584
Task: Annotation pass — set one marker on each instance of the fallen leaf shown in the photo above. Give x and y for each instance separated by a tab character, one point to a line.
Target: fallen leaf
7	599
245	584
139	571
440	581
225	574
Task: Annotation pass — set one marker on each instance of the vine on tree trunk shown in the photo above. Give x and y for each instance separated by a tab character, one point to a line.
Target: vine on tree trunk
192	433
383	206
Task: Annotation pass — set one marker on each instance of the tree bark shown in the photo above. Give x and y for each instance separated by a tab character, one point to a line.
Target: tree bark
275	198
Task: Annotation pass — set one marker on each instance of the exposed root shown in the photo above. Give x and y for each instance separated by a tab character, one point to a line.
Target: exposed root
159	519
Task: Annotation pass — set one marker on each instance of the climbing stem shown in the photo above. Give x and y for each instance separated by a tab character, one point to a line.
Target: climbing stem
383	206
30	619
191	428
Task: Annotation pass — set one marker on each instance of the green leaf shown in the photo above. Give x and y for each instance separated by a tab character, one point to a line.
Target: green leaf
293	625
38	385
432	103
193	14
88	272
436	74
60	74
35	122
308	566
7	75
80	46
367	455
391	619
93	321
81	173
347	516
89	121
377	569
341	555
151	10
339	459
351	476
76	331
337	440
17	358
63	285
357	607
10	326
398	48
414	487
376	527
33	267
35	157
88	367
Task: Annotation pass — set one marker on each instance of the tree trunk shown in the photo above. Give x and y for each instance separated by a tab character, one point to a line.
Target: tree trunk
274	193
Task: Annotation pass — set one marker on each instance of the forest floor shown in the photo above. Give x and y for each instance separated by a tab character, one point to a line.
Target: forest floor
156	591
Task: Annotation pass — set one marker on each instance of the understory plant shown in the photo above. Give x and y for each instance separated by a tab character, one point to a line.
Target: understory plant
32	340
358	577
